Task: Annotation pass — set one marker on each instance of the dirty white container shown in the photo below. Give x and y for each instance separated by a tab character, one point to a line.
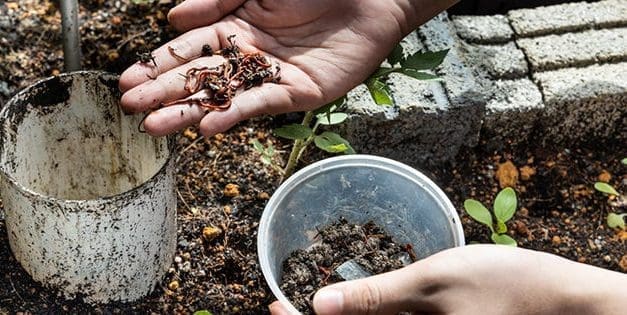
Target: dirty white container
404	202
90	201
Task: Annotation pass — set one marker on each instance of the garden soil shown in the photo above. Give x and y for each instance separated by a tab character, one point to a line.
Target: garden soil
223	186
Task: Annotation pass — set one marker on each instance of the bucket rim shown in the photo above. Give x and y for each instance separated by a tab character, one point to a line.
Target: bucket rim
115	198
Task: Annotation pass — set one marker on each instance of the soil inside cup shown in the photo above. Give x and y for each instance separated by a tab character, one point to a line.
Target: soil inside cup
342	249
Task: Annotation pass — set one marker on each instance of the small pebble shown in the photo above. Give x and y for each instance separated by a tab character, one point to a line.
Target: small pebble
190	134
178	259
623	263
263	195
556	240
231	190
174	285
211	232
605	176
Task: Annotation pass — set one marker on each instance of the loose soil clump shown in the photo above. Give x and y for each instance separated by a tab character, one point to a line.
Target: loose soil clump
307	270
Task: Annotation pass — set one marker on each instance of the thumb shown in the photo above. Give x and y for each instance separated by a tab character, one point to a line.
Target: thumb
388	293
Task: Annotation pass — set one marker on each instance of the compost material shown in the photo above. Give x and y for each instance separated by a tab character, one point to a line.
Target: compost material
363	246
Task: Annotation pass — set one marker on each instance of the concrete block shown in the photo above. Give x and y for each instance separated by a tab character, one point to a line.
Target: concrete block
431	120
584	103
512	112
459	81
575	49
486	29
568	17
498	61
421	129
609	13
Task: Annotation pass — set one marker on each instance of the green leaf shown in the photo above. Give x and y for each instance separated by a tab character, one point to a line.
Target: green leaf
500	226
505	204
383	72
616	221
396	55
624	161
605	188
331	119
477	211
294	132
330	107
424	60
203	312
258	146
503	239
333	143
419	75
379	91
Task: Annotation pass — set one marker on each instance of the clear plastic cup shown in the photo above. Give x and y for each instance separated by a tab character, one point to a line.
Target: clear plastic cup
401	200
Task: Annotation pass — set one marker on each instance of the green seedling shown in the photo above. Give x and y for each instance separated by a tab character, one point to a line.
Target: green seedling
303	135
267	154
307	132
413	66
203	312
504	208
614	220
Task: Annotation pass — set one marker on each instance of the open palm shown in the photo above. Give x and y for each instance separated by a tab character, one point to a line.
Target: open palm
324	49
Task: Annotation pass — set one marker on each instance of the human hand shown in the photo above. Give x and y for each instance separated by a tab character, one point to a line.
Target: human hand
479	279
324	49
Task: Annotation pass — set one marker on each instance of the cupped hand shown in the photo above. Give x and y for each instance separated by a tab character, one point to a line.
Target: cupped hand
324	48
479	279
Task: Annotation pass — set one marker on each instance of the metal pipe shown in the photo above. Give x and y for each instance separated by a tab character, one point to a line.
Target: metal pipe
71	37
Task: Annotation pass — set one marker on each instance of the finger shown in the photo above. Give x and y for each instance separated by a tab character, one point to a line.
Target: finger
276	308
388	293
175	53
171	119
268	98
166	87
195	13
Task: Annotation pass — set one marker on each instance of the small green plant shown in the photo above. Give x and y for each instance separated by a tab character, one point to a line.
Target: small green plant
614	220
504	208
308	132
303	135
267	154
203	312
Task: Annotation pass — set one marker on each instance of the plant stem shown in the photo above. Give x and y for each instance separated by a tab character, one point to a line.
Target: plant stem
298	148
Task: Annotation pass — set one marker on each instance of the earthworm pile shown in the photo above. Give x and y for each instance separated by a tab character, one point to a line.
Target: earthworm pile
221	82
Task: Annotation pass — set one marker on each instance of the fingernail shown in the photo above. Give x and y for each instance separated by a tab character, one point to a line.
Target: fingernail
328	301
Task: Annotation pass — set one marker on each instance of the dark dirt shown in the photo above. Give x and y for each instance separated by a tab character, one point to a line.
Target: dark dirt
223	186
307	270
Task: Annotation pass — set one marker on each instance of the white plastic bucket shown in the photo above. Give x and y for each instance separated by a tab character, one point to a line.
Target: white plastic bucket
90	201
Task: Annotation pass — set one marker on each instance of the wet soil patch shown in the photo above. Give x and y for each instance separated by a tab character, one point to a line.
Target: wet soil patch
340	250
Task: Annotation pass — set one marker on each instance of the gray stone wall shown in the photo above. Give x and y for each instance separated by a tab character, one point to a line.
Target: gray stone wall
555	74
